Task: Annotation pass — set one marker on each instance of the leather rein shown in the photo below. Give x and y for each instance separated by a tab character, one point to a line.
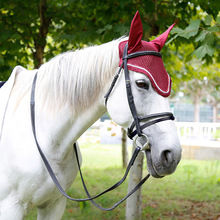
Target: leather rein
151	119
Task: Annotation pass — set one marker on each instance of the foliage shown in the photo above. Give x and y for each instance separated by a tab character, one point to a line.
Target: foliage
217	135
194	65
49	27
194	55
33	33
203	32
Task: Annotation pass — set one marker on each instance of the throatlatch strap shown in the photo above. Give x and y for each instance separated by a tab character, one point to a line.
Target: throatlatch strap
56	182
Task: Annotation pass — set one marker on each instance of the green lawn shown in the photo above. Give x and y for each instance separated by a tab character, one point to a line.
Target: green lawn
192	192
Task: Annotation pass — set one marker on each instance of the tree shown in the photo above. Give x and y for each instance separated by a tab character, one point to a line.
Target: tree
202	31
213	95
198	59
27	29
133	204
195	78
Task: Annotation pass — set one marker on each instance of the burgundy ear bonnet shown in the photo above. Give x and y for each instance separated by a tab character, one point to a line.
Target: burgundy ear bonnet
150	65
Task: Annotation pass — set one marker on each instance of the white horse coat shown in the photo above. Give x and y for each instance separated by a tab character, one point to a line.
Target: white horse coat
22	171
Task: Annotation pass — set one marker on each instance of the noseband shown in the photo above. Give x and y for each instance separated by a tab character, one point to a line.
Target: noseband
150	119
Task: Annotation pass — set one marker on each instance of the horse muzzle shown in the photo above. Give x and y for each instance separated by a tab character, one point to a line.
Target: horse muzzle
162	163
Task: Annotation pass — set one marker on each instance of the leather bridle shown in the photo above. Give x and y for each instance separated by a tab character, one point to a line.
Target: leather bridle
151	119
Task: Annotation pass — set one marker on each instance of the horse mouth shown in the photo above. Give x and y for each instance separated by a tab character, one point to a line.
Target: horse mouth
150	165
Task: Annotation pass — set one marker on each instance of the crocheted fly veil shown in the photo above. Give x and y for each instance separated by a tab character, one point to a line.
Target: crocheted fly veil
150	65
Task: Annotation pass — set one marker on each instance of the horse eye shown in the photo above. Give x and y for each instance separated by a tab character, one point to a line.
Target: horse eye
142	84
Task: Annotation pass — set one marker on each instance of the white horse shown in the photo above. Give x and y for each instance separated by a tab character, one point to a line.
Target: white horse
69	98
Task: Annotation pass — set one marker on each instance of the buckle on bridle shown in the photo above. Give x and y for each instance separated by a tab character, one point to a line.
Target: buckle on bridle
146	145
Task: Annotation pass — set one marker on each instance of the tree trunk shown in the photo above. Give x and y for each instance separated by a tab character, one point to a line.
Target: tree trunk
215	113
40	39
151	19
124	149
196	110
133	204
38	56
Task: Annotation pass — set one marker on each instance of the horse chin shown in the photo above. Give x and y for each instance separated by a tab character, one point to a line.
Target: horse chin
150	166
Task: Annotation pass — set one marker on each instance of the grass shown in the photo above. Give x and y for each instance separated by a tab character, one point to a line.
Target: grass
192	192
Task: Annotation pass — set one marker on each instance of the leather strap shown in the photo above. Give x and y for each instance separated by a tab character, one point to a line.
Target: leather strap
2	83
113	187
113	84
151	119
142	53
129	93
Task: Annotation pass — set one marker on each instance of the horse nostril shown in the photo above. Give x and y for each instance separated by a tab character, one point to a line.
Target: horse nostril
167	157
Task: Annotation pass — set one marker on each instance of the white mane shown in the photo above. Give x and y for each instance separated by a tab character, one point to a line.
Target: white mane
77	77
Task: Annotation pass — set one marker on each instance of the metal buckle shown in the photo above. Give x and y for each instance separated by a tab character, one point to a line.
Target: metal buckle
146	146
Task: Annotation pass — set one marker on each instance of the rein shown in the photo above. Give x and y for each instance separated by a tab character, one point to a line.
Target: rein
151	119
53	176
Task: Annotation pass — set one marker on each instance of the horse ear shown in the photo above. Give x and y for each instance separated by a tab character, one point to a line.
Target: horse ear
136	33
161	40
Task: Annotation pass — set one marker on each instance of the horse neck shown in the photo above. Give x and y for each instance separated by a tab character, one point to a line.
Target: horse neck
78	77
82	103
58	131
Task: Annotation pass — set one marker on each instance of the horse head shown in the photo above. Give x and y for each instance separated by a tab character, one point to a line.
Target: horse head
150	86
